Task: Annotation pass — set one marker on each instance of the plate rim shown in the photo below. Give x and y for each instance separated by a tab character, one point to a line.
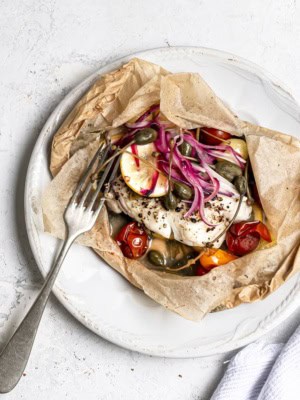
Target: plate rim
288	305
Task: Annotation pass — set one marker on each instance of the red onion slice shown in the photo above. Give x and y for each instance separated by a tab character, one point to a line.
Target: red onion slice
201	176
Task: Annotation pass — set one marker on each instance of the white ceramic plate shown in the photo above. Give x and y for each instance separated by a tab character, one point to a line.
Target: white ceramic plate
98	296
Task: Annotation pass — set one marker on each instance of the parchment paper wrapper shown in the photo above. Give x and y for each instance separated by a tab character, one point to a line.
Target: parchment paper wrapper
188	101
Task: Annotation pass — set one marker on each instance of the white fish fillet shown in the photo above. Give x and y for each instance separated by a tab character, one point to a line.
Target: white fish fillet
191	231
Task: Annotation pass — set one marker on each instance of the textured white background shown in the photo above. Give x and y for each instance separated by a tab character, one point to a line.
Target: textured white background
46	48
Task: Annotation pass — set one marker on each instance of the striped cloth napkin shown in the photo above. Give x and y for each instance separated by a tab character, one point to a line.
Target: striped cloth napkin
263	372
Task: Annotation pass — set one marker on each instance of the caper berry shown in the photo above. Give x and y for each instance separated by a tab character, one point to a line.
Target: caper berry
156	258
170	201
145	136
240	183
228	170
183	191
185	149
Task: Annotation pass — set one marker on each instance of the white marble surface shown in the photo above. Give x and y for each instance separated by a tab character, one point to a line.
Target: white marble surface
47	47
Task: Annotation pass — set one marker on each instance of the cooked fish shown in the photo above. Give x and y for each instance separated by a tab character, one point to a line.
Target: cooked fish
191	231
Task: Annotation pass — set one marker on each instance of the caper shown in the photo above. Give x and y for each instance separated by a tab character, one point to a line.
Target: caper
240	183
183	191
156	258
228	170
145	136
185	149
170	201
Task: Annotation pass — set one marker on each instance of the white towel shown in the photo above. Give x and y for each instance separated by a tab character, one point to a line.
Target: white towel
263	372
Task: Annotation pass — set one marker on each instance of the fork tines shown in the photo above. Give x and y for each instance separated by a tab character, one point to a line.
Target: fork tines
79	198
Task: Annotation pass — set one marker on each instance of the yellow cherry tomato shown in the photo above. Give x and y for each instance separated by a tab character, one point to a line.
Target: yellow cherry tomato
240	146
214	257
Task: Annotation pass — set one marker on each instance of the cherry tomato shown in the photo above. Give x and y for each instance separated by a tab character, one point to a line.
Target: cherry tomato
243	244
133	240
212	136
244	237
215	257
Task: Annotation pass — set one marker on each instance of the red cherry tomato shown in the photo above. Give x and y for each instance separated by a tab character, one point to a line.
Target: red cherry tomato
244	244
133	240
212	136
243	237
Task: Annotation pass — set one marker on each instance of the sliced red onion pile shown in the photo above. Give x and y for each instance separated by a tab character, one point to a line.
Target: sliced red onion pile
198	174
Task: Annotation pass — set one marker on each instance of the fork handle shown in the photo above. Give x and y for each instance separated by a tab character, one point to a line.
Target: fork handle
14	356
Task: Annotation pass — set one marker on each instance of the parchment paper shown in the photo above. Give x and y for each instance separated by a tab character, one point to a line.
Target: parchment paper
189	102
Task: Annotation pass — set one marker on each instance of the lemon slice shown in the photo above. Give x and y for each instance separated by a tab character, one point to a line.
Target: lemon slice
140	176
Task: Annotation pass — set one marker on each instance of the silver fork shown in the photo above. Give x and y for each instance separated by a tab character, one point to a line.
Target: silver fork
80	216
